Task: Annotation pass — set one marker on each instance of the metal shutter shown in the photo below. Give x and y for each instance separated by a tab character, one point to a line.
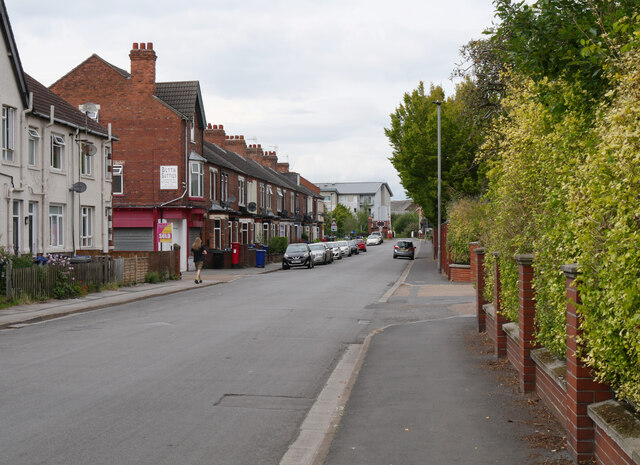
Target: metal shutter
193	233
133	239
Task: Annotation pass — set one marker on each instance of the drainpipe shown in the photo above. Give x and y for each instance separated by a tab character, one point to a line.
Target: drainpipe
186	166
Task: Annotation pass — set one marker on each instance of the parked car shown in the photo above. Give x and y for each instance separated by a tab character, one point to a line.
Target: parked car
361	245
321	253
404	249
374	239
378	233
335	249
297	255
353	247
344	248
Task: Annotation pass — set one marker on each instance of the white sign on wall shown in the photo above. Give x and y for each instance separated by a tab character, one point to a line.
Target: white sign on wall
168	177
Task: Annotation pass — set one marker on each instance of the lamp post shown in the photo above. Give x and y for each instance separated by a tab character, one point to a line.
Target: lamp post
439	103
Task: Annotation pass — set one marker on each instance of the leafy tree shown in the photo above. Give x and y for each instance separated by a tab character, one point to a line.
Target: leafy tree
405	223
344	218
413	137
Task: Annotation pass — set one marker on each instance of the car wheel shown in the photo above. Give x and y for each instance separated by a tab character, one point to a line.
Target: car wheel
285	266
412	257
395	256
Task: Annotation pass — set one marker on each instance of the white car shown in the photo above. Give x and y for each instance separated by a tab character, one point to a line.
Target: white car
335	249
374	239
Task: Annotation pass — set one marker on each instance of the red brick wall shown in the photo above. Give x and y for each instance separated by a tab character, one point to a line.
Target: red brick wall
608	452
553	396
460	275
490	324
513	348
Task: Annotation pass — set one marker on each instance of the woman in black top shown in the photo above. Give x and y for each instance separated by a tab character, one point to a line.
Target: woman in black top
199	252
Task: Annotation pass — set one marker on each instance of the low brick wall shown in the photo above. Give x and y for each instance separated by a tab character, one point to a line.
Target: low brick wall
513	345
551	382
460	273
490	321
617	439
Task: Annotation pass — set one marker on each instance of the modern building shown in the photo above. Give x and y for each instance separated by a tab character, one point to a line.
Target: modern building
374	197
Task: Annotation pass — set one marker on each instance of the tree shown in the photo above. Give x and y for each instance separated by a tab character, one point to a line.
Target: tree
345	220
413	137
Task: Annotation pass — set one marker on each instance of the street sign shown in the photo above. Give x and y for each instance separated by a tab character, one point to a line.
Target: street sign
334	226
381	224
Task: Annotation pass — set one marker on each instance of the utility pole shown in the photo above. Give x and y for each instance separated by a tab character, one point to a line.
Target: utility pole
439	103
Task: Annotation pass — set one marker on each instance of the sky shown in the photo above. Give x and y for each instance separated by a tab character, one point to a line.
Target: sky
316	81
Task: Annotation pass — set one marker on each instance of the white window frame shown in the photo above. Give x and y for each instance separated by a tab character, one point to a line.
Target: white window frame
192	130
8	133
86	226
213	184
224	187
196	179
33	142
279	201
117	179
269	196
261	195
241	191
244	232
86	163
57	151
292	209
56	225
217	234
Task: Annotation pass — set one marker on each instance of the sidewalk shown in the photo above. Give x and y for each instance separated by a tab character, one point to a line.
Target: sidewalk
430	392
27	314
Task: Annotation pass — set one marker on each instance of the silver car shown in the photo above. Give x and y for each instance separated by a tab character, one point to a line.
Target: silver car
344	248
321	253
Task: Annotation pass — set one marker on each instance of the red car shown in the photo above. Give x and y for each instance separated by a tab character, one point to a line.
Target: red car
361	245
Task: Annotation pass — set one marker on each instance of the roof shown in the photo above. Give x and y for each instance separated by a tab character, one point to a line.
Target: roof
64	112
403	206
14	57
361	188
182	96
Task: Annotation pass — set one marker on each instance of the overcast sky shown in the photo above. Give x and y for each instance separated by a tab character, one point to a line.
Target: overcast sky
316	79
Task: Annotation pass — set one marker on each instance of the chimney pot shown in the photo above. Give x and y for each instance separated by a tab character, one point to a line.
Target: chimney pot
142	46
208	125
135	45
241	136
259	146
150	45
221	126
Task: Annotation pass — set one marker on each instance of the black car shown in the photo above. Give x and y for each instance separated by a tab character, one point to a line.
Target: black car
297	255
404	249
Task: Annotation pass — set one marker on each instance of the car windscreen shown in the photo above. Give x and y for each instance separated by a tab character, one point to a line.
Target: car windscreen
316	247
297	248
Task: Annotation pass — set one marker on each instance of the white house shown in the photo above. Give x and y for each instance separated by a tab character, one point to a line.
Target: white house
55	179
356	196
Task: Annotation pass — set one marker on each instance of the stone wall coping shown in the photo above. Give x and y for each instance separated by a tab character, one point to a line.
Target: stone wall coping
525	259
474	243
622	426
479	251
512	330
570	271
490	310
553	366
495	254
460	266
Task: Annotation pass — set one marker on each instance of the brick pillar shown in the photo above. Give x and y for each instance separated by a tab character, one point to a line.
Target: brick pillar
477	269
176	252
582	390
500	339
472	259
527	315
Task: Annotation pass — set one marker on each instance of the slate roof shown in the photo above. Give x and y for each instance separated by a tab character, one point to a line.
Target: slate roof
403	206
353	188
64	112
182	96
217	156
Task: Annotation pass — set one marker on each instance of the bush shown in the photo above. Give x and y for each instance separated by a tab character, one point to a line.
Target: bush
153	277
278	245
467	222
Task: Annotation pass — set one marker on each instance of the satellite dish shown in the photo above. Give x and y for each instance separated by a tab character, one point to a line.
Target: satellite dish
79	187
231	199
251	206
89	149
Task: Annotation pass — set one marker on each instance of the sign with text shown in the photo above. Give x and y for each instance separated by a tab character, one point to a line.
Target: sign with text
168	177
165	232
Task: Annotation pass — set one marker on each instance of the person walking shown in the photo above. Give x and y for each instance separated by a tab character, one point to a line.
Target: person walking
199	252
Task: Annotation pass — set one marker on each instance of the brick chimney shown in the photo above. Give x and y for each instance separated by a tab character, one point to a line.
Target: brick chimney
255	152
236	144
143	67
215	134
283	167
270	159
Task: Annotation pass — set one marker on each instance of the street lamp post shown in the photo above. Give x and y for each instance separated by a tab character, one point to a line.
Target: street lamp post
439	103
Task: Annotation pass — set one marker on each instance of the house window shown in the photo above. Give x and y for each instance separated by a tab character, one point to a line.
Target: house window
279	201
292	204
224	186
217	234
117	180
86	161
57	151
269	195
297	204
213	184
244	233
56	226
261	200
193	130
86	227
265	232
8	123
241	192
107	159
196	179
34	137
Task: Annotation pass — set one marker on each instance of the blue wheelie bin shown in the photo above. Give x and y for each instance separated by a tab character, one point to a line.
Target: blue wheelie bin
260	256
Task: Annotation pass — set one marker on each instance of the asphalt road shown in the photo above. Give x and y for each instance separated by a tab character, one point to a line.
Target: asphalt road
220	375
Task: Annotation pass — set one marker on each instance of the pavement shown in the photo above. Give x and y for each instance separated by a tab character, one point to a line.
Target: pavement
16	316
